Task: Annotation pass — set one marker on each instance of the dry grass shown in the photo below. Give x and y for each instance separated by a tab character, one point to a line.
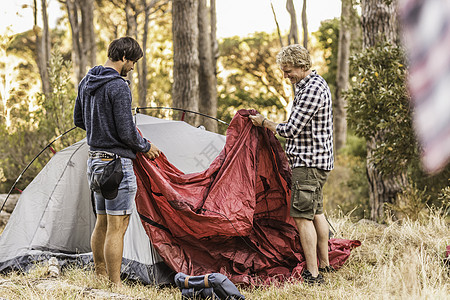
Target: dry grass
395	261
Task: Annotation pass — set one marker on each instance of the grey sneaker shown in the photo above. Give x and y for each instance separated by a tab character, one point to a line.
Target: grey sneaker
309	279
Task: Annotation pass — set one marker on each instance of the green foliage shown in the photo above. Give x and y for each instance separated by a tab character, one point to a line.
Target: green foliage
379	109
58	108
378	106
249	77
29	129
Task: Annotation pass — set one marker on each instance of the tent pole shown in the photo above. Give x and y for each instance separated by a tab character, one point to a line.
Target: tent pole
184	111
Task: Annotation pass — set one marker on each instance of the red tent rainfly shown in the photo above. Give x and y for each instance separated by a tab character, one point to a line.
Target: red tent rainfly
232	218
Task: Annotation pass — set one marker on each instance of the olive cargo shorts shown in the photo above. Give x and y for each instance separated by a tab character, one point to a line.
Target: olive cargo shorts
306	194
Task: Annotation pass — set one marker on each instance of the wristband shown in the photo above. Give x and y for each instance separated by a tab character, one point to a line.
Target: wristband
262	123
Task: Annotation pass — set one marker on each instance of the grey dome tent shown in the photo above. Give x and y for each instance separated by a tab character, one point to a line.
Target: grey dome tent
54	216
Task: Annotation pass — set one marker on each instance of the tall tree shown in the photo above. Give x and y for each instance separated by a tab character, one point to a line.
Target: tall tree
185	90
305	25
207	76
43	45
214	43
379	24
84	48
340	114
137	28
293	30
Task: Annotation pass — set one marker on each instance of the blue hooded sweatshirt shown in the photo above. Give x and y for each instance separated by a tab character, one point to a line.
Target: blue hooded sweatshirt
103	109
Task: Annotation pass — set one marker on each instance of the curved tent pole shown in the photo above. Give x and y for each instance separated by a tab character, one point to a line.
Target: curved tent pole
29	164
181	109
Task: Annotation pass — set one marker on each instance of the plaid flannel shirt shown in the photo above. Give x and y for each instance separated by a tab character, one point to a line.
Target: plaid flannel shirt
309	130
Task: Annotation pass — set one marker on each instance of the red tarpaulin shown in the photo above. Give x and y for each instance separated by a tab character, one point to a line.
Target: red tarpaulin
232	218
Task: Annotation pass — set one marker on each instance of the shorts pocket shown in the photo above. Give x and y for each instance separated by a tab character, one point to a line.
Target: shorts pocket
304	195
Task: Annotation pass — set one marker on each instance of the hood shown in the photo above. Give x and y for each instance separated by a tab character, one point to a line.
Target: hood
98	76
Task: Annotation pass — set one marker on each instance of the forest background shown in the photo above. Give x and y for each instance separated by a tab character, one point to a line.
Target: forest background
378	173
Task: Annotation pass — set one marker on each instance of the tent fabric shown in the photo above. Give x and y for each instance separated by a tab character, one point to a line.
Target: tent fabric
232	218
54	216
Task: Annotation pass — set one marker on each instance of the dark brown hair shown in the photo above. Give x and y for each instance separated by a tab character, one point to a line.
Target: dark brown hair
125	46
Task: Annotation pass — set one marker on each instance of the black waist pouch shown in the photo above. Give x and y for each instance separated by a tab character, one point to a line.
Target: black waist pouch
107	181
210	286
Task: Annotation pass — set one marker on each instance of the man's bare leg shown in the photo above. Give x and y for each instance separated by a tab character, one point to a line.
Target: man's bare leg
98	245
322	230
308	239
117	225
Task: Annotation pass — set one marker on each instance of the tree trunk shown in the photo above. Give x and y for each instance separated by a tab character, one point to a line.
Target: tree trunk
46	43
88	33
83	35
77	59
131	18
214	43
185	90
142	66
293	31
305	25
340	114
43	46
379	23
206	77
382	188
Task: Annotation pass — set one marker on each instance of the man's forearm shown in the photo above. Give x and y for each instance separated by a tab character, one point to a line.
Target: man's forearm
272	126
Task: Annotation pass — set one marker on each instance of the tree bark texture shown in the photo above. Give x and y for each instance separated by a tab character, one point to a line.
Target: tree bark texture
185	90
382	188
293	31
379	23
206	77
305	25
340	113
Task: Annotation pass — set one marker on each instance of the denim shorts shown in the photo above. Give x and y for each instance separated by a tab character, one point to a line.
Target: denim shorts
306	195
124	202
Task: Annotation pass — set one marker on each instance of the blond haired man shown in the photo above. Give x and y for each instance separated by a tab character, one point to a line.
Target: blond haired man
309	149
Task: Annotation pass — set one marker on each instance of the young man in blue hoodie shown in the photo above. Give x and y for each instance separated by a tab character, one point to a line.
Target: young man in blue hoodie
103	109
